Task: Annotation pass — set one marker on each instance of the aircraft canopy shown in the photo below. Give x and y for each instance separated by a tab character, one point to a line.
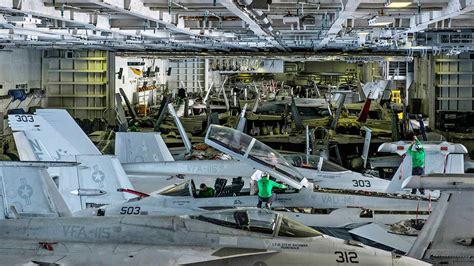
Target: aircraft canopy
312	161
248	149
261	221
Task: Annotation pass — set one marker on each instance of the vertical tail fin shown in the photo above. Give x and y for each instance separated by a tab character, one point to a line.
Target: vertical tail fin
338	111
403	172
242	120
45	142
296	114
182	132
27	190
24	147
141	147
94	182
364	112
365	149
64	124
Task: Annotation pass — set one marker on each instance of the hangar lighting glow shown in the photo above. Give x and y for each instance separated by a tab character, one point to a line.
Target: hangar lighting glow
378	24
397	4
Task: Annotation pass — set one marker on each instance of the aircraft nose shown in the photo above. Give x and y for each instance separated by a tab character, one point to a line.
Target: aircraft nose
405	261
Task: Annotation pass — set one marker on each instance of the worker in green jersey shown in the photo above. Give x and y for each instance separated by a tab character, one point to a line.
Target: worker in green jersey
417	153
206	192
265	194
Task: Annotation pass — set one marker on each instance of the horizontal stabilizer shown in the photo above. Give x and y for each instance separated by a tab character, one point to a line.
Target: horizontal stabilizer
440	157
234	256
401	147
379	233
36	164
141	147
441	181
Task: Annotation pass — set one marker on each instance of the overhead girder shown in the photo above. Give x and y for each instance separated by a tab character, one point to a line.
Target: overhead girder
224	25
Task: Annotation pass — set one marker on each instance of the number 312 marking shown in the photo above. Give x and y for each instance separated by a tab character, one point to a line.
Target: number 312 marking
346	257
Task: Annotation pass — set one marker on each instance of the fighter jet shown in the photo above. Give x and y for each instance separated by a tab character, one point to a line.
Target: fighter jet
41	233
145	155
235	237
448	235
148	147
301	205
313	206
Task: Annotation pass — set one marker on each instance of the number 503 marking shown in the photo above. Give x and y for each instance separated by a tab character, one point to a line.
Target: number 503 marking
130	210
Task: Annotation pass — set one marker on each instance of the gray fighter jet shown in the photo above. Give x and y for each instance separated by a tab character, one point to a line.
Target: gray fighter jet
145	155
303	205
231	237
237	237
447	238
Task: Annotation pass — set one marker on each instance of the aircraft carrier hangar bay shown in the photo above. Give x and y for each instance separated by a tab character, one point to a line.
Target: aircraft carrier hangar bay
237	132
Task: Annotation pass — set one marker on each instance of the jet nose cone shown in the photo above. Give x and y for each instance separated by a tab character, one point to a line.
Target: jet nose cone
405	261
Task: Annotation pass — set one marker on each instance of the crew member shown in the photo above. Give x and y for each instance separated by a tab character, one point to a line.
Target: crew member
265	186
206	192
417	153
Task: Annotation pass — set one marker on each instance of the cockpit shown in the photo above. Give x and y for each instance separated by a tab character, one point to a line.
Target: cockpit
246	148
259	221
312	162
184	189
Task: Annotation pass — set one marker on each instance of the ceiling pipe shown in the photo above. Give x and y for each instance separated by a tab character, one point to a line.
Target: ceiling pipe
263	31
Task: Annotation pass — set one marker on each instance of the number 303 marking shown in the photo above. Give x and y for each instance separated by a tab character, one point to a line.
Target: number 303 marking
346	257
361	183
24	118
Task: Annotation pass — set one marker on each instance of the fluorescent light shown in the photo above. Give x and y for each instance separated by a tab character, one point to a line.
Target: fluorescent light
380	21
378	24
398	4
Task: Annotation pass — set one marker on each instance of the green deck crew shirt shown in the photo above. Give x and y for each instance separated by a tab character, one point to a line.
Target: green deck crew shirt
207	192
417	156
265	187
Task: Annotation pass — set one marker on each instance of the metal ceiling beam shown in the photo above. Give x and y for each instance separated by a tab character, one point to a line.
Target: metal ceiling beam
253	25
94	21
138	9
348	9
452	10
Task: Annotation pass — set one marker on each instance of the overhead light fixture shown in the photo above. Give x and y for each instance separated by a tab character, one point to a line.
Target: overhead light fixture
180	5
395	4
377	21
379	24
372	20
